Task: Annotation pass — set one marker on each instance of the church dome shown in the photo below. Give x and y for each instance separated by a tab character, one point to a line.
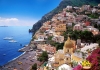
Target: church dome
68	43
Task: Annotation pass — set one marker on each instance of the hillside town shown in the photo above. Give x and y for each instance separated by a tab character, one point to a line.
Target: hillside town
73	50
69	41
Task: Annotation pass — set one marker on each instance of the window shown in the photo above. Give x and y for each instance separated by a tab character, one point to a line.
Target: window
68	50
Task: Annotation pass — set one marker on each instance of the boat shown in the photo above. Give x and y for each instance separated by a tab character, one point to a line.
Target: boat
4	54
7	38
12	41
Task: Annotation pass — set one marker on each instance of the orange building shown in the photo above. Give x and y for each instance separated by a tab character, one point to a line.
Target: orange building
60	28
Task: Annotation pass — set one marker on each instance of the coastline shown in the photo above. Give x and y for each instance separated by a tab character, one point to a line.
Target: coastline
15	59
23	61
17	56
26	53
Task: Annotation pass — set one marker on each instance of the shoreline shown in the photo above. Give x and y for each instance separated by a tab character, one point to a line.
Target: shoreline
24	58
23	61
14	58
17	56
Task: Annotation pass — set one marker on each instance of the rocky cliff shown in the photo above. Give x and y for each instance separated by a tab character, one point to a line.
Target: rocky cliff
62	5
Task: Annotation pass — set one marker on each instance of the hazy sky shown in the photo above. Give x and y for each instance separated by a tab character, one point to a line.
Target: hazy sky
24	12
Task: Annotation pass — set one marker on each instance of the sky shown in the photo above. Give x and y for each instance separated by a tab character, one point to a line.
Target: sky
24	12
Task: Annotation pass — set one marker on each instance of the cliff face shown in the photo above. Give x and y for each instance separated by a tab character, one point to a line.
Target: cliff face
62	5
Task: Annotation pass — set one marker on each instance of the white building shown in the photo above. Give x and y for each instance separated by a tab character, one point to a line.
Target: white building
91	47
59	39
77	27
64	67
94	10
95	31
69	7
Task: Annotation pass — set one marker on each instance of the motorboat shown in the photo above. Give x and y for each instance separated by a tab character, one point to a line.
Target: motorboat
4	54
12	41
7	38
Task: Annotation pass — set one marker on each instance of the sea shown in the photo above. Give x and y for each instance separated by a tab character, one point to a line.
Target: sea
9	51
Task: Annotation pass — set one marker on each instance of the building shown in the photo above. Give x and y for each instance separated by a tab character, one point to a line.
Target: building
69	24
85	7
60	28
59	39
78	43
69	8
98	5
87	23
46	47
94	10
77	27
49	32
64	67
50	49
64	56
67	55
94	31
88	47
45	27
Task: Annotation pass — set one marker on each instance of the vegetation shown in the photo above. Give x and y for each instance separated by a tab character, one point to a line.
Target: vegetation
94	15
83	35
43	56
95	61
97	26
98	42
56	44
34	67
50	38
33	38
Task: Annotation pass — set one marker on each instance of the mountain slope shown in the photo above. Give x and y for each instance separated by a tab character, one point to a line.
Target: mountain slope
62	5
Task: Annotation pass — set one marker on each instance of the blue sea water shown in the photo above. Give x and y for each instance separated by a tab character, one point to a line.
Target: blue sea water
20	34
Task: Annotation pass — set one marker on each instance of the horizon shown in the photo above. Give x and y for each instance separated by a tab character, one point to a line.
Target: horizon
24	12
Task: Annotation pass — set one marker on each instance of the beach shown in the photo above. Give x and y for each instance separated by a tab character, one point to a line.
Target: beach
23	62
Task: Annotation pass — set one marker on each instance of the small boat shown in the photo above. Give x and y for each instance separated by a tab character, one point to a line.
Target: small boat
4	54
12	41
7	38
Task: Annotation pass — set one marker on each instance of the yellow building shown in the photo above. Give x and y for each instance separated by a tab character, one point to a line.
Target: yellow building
60	28
64	56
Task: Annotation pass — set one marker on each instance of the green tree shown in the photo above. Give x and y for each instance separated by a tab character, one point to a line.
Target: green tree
94	15
43	56
34	67
98	42
50	37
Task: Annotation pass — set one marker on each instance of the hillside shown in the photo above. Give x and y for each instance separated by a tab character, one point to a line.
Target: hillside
62	5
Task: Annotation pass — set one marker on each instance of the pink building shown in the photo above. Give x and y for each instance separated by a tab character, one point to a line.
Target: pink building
50	49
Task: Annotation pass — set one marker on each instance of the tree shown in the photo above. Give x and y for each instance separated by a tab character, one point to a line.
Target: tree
34	67
43	56
50	38
95	25
98	42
